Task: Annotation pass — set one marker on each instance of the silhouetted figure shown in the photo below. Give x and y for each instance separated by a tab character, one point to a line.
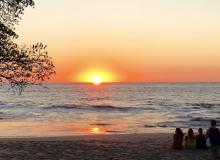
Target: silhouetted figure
190	140
201	140
213	134
178	139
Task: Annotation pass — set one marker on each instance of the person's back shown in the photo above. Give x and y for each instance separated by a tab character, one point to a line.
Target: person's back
178	139
190	140
213	134
201	140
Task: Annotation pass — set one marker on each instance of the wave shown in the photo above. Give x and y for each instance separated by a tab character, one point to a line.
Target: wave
72	106
95	107
191	123
204	119
4	116
2	103
149	126
175	124
101	124
114	131
95	98
198	119
110	107
202	105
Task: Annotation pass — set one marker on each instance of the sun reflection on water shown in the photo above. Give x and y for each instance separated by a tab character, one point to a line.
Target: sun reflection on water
95	130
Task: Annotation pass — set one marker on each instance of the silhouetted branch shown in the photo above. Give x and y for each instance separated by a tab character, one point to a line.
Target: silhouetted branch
20	66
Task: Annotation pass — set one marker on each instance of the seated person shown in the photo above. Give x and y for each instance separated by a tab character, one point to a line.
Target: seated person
190	140
213	134
178	139
201	140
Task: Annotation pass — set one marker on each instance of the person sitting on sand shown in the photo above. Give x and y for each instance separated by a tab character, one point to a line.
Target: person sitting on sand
213	134
201	140
190	140
178	139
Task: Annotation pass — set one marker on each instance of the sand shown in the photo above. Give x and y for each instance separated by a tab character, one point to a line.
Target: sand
98	147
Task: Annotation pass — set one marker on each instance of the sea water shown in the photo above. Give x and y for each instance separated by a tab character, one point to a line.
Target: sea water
113	108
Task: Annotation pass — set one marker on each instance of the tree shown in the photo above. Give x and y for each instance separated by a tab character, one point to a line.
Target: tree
20	66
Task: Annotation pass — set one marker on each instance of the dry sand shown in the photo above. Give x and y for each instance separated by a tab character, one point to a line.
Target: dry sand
98	147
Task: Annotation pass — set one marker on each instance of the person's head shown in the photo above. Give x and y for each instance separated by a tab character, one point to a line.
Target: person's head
179	132
200	130
190	132
213	123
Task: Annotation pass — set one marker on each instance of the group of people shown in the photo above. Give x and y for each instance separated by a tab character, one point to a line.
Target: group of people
192	141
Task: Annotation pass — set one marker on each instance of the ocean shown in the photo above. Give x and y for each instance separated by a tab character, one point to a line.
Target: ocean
114	108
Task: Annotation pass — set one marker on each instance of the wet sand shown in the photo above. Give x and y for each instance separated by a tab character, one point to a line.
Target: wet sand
97	147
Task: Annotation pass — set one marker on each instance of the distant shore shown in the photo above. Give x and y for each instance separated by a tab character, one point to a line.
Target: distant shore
98	147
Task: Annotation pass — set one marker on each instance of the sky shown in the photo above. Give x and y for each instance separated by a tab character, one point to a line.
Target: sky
127	40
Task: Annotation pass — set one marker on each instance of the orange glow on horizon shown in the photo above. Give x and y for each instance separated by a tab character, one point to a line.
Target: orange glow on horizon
132	41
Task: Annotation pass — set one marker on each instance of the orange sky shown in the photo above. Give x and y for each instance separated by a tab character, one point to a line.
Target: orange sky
131	40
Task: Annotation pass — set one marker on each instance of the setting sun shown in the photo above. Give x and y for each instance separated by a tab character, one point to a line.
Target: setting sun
97	77
97	80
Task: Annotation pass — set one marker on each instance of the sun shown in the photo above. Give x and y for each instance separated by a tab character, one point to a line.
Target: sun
97	76
97	80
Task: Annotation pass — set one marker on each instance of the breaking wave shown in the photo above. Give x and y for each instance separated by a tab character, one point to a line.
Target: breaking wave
95	107
203	105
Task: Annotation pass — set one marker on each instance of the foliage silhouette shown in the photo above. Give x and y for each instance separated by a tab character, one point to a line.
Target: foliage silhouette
20	66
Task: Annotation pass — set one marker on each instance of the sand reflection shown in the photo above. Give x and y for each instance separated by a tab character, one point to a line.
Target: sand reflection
45	129
95	130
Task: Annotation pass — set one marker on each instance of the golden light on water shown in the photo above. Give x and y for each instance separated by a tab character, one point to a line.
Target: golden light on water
95	130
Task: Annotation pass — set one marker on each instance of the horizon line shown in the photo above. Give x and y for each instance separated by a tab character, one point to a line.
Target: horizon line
130	82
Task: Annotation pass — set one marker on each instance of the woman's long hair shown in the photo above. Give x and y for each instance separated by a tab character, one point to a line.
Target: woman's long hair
191	133
179	132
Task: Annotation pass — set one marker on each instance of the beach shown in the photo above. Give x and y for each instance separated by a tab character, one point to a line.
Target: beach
109	79
150	146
